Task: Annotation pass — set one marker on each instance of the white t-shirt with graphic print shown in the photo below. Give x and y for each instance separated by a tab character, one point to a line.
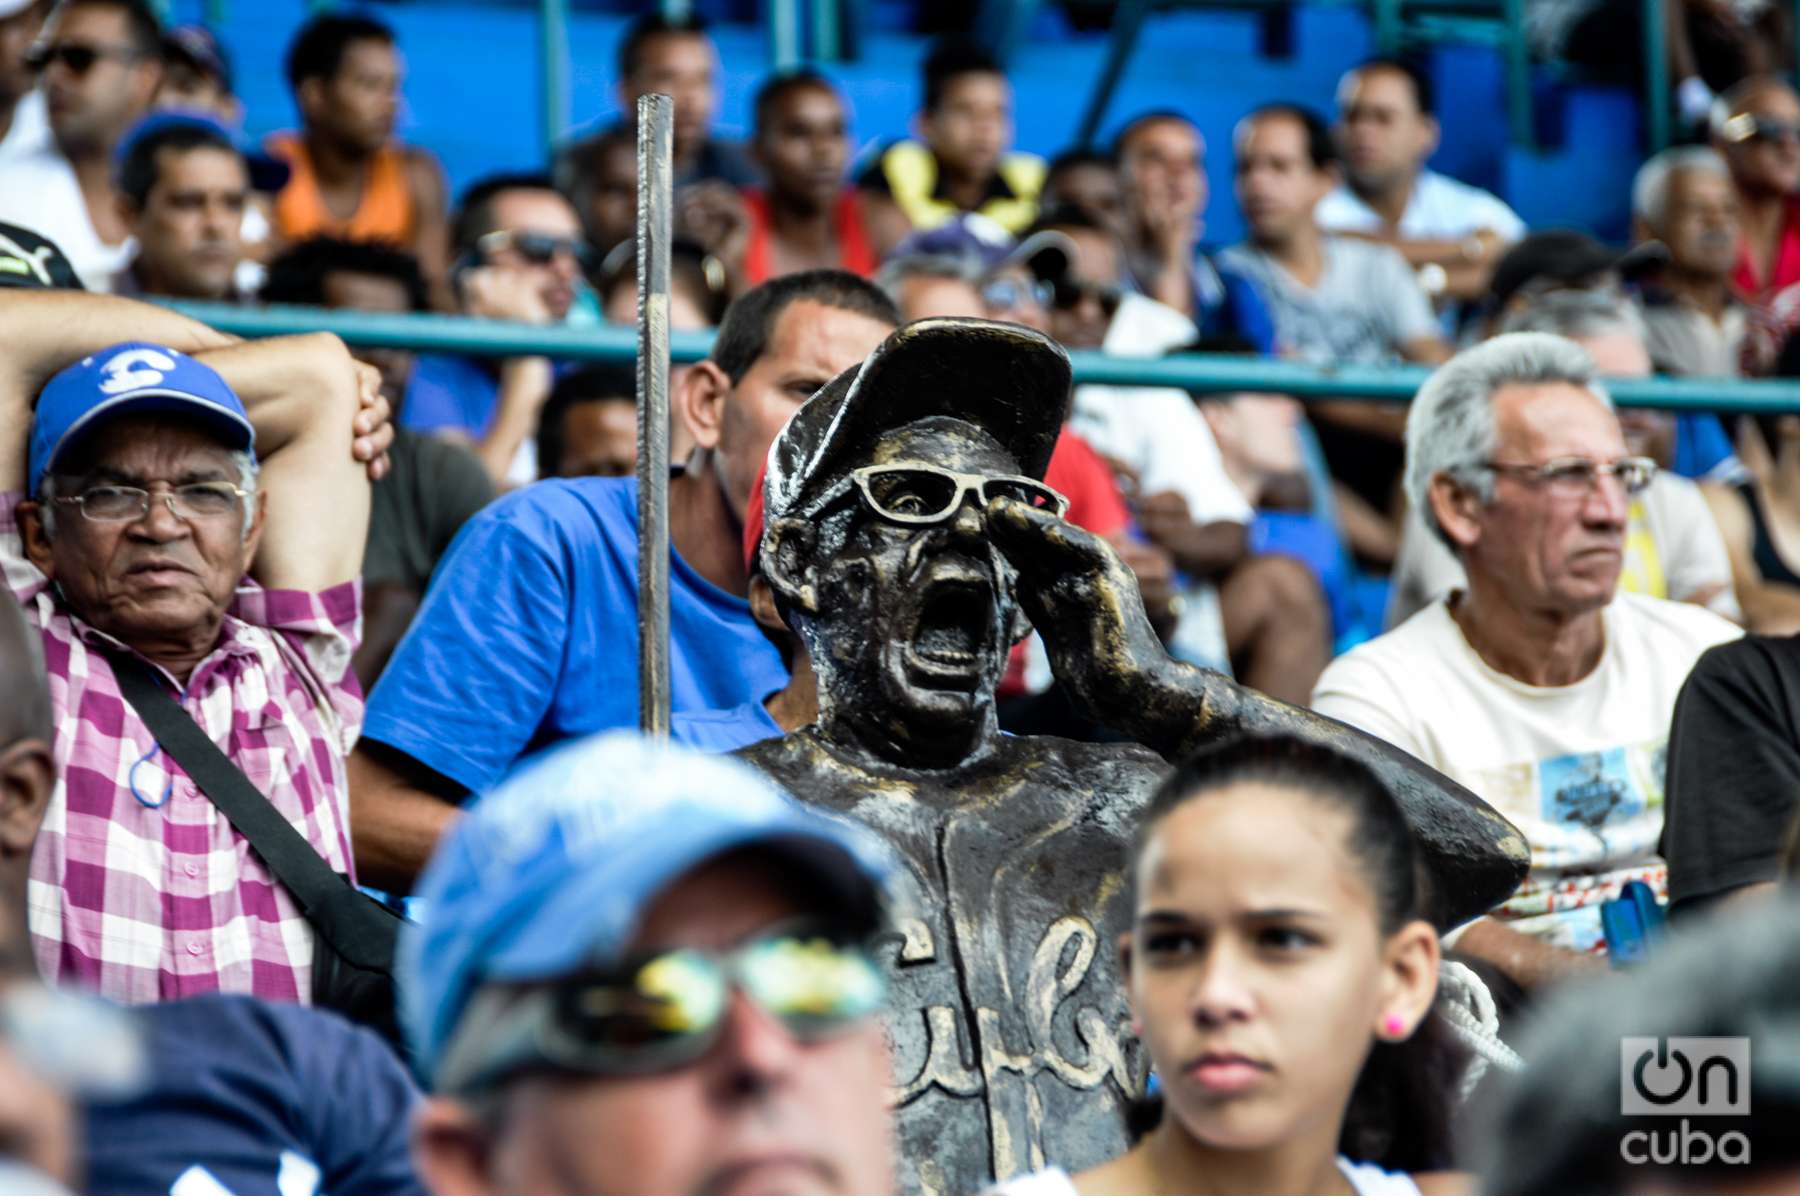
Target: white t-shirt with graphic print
1578	768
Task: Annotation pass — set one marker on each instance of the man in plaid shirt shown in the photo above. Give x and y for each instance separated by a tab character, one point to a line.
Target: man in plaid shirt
139	520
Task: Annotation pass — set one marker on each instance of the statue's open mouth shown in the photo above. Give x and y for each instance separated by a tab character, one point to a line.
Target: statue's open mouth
951	639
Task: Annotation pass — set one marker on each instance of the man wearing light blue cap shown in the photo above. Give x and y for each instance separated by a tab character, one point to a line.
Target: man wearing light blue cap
646	971
143	536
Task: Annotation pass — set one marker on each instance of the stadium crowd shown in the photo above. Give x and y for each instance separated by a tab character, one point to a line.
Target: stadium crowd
283	615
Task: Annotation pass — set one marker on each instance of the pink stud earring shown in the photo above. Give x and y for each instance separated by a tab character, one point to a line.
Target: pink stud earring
1393	1025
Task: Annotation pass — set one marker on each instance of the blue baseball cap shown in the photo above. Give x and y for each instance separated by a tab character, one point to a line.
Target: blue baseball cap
267	172
549	872
134	378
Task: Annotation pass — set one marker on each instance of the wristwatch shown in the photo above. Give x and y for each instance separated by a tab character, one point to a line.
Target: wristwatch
1433	278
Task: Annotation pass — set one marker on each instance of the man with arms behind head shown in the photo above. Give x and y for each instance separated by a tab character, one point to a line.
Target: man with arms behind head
1387	130
1539	686
661	985
529	632
99	68
190	1094
201	518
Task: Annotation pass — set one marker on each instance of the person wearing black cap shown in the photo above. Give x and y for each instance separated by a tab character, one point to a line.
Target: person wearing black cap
1561	259
197	75
908	536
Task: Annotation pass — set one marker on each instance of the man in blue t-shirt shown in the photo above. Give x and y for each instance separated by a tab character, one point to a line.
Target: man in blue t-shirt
529	632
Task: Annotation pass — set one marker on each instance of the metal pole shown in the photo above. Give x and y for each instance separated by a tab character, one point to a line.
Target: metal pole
1656	72
553	36
655	146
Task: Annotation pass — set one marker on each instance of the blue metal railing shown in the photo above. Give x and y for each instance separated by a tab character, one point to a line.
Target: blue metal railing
1209	372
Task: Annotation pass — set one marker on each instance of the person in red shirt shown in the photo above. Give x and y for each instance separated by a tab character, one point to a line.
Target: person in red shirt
805	217
1756	126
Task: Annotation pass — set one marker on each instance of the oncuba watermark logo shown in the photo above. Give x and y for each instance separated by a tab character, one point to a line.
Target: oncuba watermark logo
1684	1077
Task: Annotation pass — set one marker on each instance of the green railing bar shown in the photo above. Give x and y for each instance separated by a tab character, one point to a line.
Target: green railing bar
1656	74
553	42
1209	372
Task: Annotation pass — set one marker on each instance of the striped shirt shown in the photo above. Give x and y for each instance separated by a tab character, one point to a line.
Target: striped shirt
140	889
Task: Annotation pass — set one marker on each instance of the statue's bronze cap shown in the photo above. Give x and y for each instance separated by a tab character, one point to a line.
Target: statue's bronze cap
1008	380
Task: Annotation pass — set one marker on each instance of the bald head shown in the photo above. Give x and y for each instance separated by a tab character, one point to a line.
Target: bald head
24	695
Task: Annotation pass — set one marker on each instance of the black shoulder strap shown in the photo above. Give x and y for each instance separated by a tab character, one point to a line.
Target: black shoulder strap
342	916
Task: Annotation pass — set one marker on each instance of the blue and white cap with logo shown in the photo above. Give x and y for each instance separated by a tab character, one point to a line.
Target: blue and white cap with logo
133	378
550	872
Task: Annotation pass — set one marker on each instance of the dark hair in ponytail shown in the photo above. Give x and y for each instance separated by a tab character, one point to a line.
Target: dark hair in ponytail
1401	1108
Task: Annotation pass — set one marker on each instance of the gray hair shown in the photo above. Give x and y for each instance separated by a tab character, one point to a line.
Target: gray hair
1450	429
1650	189
1579	316
962	267
247	470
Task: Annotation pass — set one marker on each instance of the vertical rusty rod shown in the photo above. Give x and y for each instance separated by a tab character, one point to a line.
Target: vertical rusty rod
655	149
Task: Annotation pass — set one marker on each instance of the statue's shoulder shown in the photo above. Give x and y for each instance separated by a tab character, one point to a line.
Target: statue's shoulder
1116	776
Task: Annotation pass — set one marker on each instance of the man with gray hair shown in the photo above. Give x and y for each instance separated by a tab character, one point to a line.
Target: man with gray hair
1696	325
190	512
1537	685
1673	548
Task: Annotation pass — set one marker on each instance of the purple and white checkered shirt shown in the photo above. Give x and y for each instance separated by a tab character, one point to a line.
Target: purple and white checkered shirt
143	897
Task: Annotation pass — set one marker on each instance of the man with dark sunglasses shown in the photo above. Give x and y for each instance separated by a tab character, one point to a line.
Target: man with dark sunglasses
99	68
1756	126
520	256
647	972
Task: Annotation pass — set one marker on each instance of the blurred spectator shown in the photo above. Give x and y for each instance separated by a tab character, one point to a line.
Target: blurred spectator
598	174
673	56
704	1019
99	69
184	189
1684	199
1734	774
931	284
1387	130
1756	126
588	428
1336	300
1672	545
24	122
964	161
28	260
1088	181
534	610
1559	260
197	76
1260	617
1561	1127
699	293
234	582
432	486
350	179
805	217
1759	517
1539	686
520	256
183	1095
1159	157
